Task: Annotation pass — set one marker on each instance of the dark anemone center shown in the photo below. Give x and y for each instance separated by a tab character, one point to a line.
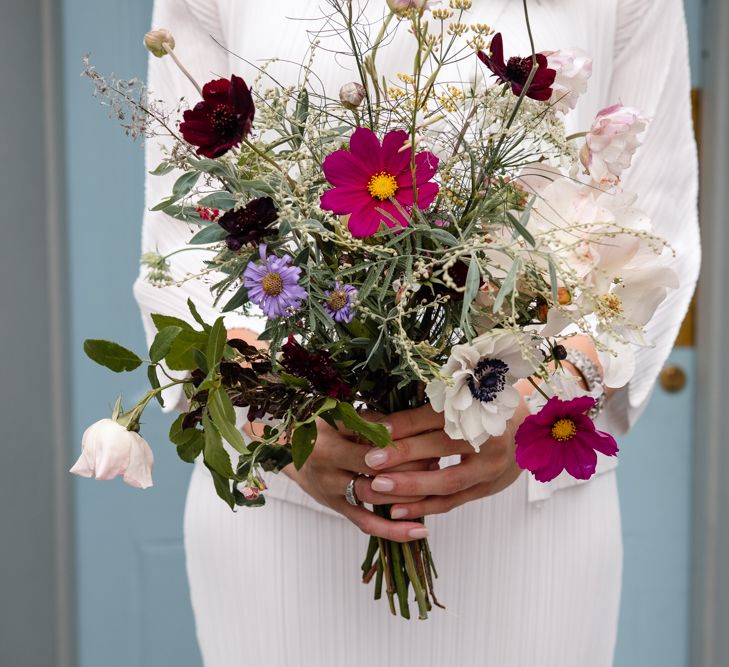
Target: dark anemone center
518	69
488	379
224	120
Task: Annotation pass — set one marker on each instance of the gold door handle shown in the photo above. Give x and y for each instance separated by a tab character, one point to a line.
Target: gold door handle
673	378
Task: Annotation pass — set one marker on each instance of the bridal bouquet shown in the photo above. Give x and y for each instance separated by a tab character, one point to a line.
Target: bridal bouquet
418	238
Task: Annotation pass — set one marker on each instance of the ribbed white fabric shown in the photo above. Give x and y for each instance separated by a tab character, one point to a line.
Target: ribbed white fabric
529	580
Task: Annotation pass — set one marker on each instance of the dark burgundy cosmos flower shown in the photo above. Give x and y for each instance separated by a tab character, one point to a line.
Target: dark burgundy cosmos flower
249	224
517	70
222	119
317	368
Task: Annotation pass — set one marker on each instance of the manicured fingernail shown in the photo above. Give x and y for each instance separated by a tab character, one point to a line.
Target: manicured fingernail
388	426
376	458
418	533
383	484
399	513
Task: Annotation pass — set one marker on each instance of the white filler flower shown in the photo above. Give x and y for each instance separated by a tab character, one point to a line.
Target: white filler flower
108	450
480	398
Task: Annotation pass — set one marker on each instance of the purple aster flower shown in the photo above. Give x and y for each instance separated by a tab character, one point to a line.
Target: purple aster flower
273	285
339	303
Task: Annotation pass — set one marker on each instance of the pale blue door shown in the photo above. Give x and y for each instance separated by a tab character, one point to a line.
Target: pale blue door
133	604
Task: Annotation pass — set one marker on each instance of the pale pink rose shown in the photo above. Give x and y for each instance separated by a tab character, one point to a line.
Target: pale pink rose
250	492
108	450
611	143
574	68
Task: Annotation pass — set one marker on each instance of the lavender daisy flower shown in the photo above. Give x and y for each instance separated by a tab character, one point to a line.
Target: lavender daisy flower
339	303
273	285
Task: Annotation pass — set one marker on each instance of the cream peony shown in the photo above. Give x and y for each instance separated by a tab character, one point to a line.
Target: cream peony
611	143
108	450
478	397
574	68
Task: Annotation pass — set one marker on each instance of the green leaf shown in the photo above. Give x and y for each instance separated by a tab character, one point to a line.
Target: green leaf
196	315
216	458
237	300
210	234
181	356
184	184
209	166
154	382
255	186
222	487
190	450
223	415
111	355
220	200
216	343
162	321
201	361
162	343
377	434
302	443
553	279
507	287
162	169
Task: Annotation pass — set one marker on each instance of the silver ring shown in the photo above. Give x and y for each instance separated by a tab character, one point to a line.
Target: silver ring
350	494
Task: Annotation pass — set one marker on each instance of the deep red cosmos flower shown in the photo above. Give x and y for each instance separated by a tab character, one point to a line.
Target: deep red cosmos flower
517	70
368	176
222	119
317	368
562	437
249	224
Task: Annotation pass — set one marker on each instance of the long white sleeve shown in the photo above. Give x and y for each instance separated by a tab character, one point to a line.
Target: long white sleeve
652	73
193	25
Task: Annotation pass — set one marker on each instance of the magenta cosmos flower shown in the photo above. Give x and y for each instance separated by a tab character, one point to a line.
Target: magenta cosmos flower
222	119
562	437
516	71
369	176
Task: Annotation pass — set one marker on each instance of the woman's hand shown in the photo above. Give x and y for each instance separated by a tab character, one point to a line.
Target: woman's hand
418	434
336	458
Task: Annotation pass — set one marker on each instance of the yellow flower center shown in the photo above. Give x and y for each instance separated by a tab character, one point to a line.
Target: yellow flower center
382	185
272	284
563	430
611	304
337	300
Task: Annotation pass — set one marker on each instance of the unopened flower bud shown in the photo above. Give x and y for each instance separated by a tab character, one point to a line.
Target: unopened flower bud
564	298
404	6
156	40
351	95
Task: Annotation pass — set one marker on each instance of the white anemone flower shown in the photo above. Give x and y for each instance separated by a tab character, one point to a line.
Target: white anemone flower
478	397
108	449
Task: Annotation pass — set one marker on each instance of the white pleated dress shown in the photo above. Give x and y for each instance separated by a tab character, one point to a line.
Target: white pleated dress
530	577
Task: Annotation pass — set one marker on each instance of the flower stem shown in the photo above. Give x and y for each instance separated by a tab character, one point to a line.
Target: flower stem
412	571
181	67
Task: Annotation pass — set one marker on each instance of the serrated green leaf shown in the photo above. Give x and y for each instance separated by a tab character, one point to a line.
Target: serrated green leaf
302	443
216	458
211	234
377	434
163	343
223	415
216	343
111	355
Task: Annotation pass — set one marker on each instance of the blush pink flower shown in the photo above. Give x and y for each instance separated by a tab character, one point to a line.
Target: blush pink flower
611	143
370	177
562	437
